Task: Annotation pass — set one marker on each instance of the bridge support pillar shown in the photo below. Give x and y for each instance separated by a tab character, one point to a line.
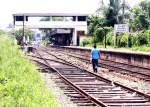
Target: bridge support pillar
74	38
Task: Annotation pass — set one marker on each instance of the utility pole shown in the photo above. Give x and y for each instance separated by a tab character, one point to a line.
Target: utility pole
23	28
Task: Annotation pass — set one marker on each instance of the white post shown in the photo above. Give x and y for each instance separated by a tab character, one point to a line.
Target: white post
28	39
115	35
64	18
127	30
114	39
74	37
24	39
76	18
51	18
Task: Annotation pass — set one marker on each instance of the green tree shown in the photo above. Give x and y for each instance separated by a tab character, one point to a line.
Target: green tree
145	6
116	12
100	33
140	20
95	22
19	34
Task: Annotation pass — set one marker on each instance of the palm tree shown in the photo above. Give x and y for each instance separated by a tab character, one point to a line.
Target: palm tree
124	12
116	12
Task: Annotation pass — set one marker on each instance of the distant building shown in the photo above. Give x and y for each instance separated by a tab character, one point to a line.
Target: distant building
76	23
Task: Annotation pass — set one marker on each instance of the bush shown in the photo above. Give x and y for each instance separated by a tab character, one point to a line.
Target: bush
85	42
119	39
133	39
142	39
147	33
20	83
124	38
110	38
101	32
94	22
138	39
91	29
19	34
130	40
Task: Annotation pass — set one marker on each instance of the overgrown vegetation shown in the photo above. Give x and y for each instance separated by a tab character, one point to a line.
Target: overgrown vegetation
119	12
20	83
19	34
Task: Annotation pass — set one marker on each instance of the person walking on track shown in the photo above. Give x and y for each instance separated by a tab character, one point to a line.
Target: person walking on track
95	55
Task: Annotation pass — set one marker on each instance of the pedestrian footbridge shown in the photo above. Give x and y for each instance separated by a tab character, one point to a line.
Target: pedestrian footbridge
77	23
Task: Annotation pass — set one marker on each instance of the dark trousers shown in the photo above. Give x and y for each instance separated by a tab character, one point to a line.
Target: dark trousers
95	64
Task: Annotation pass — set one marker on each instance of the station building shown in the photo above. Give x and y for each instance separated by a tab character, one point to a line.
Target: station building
66	28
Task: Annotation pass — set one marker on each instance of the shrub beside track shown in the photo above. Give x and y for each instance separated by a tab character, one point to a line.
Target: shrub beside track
20	83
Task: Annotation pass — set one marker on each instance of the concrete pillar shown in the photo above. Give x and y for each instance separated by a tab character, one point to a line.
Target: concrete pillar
28	39
64	18
74	39
51	18
14	21
24	39
76	18
85	31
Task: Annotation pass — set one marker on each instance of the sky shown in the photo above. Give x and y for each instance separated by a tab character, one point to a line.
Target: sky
9	7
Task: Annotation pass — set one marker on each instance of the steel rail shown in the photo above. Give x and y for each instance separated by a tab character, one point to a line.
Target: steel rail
100	77
108	66
86	95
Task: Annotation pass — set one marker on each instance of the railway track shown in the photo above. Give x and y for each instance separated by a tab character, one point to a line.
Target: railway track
139	72
88	89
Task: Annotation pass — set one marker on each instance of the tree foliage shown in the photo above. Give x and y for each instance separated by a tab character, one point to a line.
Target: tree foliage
141	16
19	34
100	33
118	12
145	6
94	23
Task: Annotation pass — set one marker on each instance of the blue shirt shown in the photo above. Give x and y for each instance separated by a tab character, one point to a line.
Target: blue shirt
95	54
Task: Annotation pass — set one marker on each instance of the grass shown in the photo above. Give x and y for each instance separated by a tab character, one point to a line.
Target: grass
144	48
20	82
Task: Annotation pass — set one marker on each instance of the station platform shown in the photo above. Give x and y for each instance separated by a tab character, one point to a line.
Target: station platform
113	50
118	55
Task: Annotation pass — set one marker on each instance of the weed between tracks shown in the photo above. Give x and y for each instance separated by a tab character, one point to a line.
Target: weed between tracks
20	83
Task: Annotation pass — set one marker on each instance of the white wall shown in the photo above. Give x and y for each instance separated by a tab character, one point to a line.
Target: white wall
54	24
75	25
